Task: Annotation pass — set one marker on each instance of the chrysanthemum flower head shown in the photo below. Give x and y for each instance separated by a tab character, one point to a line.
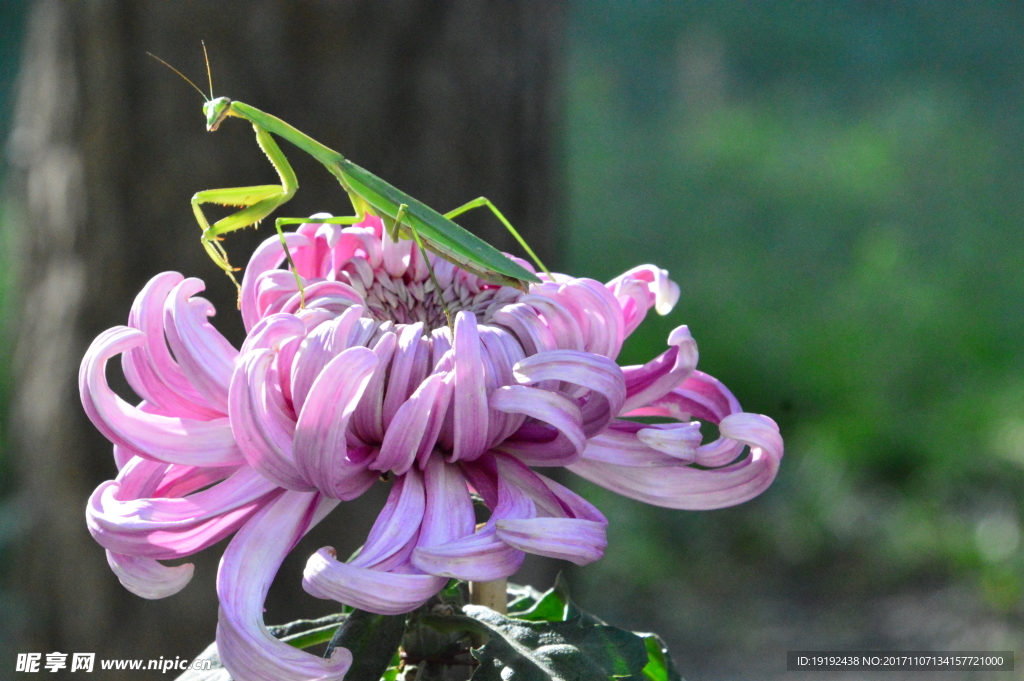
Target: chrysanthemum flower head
368	380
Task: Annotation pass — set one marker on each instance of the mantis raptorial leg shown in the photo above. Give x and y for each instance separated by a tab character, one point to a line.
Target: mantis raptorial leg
256	202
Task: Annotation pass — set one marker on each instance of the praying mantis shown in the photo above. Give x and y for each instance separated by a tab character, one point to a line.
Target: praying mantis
401	214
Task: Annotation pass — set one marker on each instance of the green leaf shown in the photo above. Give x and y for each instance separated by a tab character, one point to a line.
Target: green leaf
554	605
521	598
293	629
577	649
550	607
308	633
659	663
373	640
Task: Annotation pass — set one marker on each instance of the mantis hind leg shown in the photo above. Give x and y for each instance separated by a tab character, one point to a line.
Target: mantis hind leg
399	216
484	202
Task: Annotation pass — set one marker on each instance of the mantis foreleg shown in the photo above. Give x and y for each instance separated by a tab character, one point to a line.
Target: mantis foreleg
482	202
257	202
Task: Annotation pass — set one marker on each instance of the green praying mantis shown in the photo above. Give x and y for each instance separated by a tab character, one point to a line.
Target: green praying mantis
401	214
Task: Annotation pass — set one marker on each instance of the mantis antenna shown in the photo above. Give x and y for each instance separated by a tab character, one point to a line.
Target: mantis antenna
205	99
209	75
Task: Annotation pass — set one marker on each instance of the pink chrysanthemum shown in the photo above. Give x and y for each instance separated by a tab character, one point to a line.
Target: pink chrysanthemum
368	379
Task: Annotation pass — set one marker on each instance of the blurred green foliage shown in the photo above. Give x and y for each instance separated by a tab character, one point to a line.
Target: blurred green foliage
836	187
12	522
12	24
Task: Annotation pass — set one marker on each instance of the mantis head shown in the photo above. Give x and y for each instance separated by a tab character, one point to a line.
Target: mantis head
216	110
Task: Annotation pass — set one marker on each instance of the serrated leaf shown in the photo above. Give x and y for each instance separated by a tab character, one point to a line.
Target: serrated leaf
573	650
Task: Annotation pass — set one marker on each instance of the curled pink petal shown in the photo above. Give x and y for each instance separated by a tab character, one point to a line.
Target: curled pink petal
501	354
756	430
399	522
181	480
334	296
598	313
246	648
599	374
273	291
266	257
165	438
321	451
396	256
679	441
470	434
662	374
147	578
560	445
701	396
449	510
438	413
166	528
262	431
565	329
406	372
704	397
527	324
205	356
696	489
385	593
151	371
620	445
572	539
517	474
641	288
408	433
368	419
273	333
573	504
318	348
479	557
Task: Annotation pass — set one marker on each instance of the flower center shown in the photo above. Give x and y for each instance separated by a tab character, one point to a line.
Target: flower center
398	300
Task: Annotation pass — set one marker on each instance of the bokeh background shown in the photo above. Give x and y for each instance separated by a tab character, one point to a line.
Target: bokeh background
836	187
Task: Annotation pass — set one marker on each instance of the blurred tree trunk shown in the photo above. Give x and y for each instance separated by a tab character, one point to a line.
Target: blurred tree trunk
447	100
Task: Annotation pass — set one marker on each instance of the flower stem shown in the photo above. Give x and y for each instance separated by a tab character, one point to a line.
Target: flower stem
491	594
